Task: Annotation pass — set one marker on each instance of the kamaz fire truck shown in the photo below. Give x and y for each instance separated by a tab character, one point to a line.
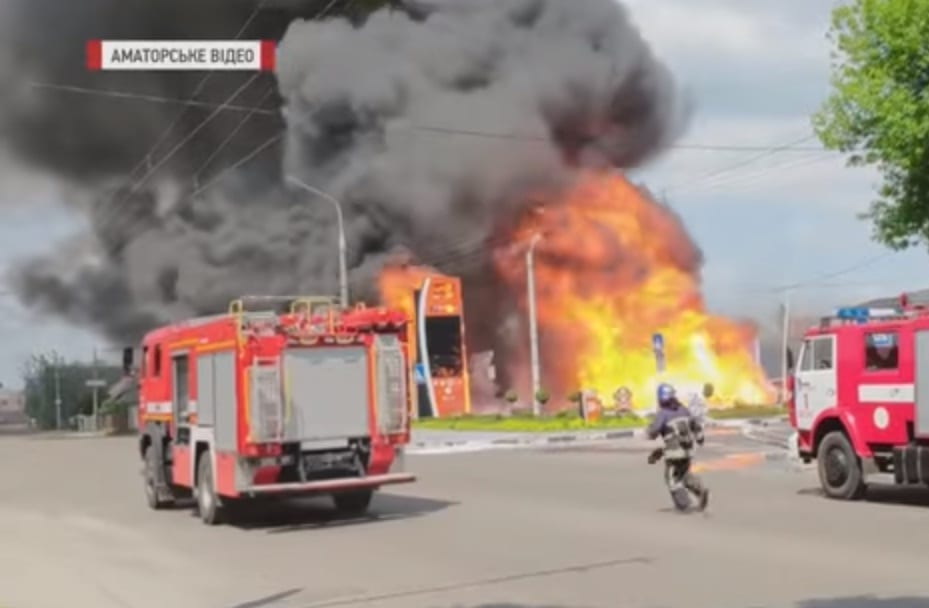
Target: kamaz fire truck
860	398
249	404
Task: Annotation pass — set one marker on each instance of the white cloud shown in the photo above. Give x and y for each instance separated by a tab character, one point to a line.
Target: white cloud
697	29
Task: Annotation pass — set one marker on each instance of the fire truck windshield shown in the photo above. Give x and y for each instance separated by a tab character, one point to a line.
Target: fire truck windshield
443	340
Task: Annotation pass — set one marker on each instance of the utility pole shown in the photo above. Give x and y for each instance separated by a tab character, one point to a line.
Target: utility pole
57	394
533	325
785	342
96	385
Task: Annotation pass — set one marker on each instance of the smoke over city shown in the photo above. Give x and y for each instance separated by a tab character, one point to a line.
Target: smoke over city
435	127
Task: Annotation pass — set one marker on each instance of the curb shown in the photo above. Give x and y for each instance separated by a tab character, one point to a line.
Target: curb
68	435
524	440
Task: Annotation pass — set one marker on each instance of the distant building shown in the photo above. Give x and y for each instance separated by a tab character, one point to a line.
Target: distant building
12	407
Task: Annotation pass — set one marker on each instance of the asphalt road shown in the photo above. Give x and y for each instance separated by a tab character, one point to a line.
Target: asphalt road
585	526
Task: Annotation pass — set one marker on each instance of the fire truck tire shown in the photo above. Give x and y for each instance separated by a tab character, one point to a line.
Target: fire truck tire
840	472
208	505
353	504
152	495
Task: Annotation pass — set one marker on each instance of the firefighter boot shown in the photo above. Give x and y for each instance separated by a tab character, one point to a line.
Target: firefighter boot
695	485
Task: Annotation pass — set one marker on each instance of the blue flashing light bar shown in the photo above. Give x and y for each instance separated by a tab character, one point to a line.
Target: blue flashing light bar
863	315
853	314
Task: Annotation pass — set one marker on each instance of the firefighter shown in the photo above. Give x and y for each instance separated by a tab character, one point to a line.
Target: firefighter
680	431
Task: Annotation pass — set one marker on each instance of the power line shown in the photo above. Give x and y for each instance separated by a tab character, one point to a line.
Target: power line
219	109
189	136
146	160
113	213
753	179
230	137
864	263
729	168
257	109
219	176
154	99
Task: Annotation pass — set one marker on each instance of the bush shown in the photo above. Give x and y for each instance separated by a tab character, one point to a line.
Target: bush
511	396
114	407
575	397
542	396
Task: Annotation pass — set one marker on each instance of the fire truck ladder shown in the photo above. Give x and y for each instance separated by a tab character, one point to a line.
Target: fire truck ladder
238	308
269	400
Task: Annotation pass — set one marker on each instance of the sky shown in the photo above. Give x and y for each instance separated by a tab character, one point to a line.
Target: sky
754	72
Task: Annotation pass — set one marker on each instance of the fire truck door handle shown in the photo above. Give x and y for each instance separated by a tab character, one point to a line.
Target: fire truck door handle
830	392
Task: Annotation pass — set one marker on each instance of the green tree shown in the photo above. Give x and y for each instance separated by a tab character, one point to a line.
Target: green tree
40	376
878	110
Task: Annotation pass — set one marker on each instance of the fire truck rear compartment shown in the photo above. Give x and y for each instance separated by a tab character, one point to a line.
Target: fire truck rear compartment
314	394
316	404
326	392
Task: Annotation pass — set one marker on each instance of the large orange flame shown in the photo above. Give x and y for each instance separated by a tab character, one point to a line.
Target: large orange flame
612	268
397	283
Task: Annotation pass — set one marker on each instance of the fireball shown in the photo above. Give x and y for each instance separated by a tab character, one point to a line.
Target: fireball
613	268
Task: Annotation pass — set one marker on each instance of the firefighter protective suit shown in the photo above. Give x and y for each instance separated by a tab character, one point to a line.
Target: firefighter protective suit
681	433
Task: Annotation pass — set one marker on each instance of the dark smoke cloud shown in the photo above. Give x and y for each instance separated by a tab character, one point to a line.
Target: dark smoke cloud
392	117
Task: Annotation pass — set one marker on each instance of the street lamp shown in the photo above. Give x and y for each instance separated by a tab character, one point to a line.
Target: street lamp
343	272
533	326
785	344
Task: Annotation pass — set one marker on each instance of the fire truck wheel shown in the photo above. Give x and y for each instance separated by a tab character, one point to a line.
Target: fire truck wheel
839	468
207	501
151	490
353	504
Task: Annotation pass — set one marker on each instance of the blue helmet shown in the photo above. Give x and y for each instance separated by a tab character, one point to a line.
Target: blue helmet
666	393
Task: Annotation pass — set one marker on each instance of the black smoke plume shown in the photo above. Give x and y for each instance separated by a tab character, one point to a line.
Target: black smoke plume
432	125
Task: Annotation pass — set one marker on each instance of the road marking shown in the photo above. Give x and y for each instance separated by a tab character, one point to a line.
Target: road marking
731	462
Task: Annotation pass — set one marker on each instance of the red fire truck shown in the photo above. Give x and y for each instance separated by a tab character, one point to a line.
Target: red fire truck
249	404
860	398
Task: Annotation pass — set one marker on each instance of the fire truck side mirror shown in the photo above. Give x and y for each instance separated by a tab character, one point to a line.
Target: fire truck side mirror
128	360
790	359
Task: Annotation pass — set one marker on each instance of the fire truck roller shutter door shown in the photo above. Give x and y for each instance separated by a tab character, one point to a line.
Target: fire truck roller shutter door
921	375
224	401
327	388
206	415
391	385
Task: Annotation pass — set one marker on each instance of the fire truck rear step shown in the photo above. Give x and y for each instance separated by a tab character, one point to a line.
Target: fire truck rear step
331	485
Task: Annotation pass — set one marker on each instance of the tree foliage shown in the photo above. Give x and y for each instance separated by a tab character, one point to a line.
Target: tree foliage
879	109
39	376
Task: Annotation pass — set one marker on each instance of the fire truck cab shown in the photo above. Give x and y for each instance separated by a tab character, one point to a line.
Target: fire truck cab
860	398
249	404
